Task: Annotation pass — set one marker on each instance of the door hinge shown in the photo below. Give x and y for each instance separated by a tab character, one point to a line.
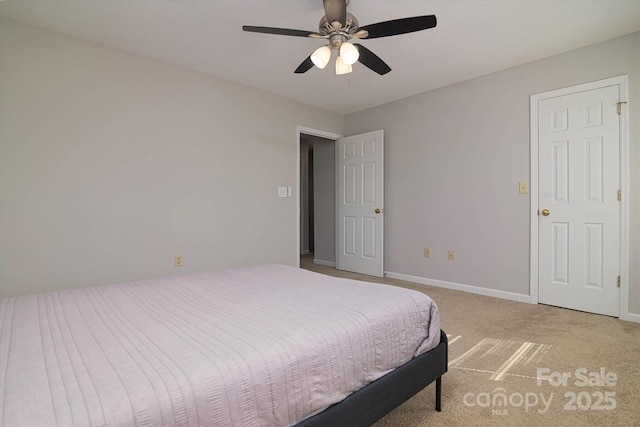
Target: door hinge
619	104
619	195
618	281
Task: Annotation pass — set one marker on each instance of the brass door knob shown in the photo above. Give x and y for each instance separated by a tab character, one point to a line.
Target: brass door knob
378	210
545	212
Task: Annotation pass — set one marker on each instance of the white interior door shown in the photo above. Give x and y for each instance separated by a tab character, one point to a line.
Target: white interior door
360	203
579	210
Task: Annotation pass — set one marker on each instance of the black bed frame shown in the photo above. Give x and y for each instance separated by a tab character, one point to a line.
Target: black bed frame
375	400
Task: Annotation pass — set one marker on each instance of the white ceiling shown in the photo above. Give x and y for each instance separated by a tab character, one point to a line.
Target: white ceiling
472	38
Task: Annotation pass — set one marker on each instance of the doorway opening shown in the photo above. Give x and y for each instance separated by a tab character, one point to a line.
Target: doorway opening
317	199
351	238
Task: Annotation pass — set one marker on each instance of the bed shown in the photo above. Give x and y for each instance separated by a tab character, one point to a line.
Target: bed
258	346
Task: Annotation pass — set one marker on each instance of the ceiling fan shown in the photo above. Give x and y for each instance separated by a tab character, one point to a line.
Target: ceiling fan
338	27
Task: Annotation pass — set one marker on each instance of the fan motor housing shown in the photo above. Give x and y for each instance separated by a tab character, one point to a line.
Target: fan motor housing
327	28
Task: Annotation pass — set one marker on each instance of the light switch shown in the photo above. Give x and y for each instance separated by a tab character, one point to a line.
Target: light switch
289	192
523	188
282	191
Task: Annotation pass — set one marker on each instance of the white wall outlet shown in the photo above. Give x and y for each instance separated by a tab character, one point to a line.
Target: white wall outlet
427	252
282	191
178	260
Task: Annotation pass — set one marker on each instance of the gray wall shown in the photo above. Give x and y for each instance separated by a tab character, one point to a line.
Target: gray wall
455	155
111	164
324	181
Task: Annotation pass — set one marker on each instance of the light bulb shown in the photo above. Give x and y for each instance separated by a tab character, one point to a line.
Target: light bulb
349	53
321	56
342	67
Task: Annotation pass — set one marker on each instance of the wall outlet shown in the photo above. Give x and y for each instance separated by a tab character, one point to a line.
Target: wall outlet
178	260
427	252
451	256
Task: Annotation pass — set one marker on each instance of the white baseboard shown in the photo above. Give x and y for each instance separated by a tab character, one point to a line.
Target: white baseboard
632	317
325	263
305	251
461	287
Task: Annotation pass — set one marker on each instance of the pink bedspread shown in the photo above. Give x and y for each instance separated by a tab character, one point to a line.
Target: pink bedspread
259	346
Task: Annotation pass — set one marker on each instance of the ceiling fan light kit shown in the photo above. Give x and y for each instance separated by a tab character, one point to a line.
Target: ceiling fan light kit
342	67
349	53
338	27
321	56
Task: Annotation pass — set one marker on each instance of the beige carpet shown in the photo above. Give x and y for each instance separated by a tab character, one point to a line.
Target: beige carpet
496	349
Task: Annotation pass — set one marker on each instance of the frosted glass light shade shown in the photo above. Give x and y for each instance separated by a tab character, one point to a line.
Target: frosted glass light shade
349	53
342	67
321	56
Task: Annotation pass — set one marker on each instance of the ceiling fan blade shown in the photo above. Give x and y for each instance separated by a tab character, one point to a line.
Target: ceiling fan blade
280	31
399	26
371	60
306	65
335	10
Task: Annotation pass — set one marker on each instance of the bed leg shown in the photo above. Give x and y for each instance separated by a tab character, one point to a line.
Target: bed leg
439	394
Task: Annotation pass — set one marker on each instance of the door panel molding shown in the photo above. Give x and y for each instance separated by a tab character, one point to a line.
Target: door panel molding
591	117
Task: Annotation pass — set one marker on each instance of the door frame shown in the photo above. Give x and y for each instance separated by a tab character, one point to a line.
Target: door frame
623	92
300	130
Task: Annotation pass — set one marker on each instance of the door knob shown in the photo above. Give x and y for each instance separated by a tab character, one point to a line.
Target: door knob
545	212
378	210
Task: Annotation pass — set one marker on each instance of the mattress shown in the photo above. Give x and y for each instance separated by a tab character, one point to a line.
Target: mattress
259	346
